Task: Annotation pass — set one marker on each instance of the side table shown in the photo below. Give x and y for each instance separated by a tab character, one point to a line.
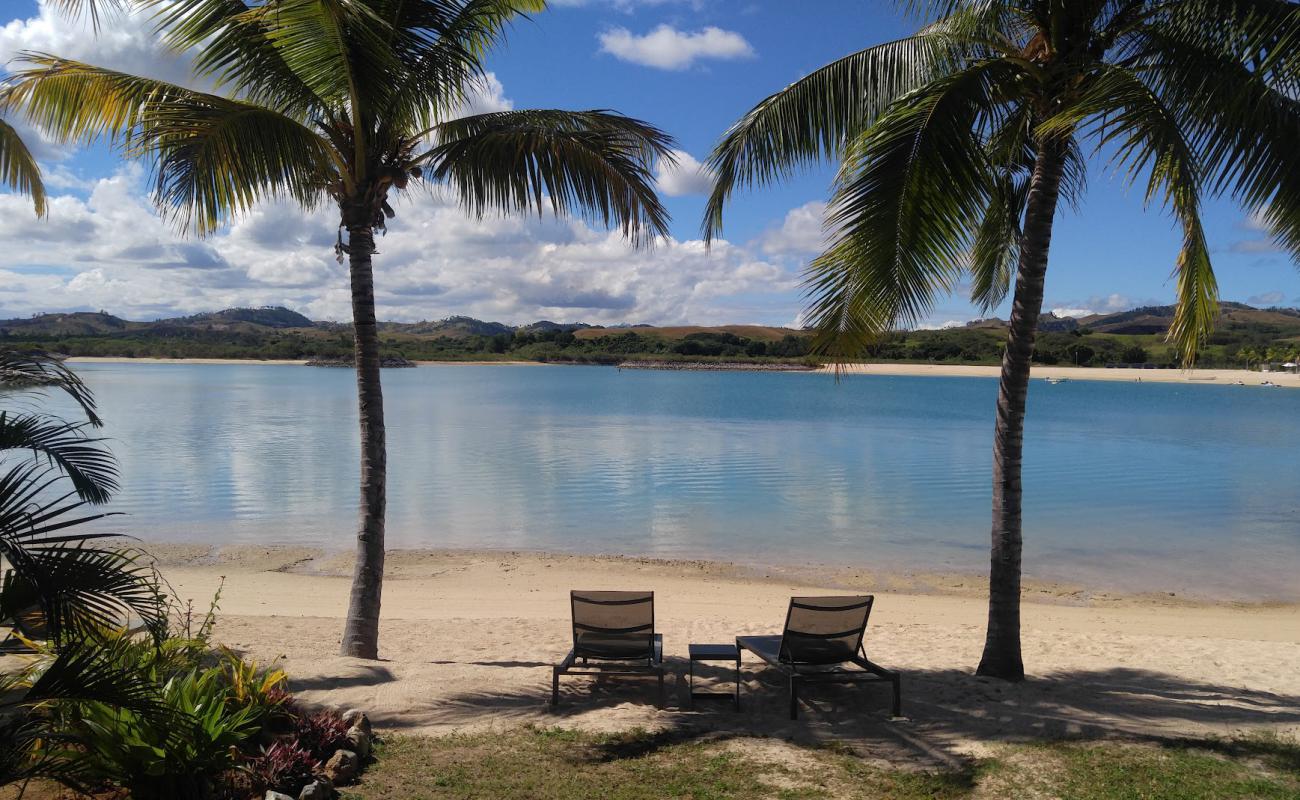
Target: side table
715	652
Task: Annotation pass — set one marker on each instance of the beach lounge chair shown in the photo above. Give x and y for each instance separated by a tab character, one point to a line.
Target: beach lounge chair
613	634
822	643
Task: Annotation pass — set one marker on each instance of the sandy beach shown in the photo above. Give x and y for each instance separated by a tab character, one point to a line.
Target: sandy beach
468	639
1207	377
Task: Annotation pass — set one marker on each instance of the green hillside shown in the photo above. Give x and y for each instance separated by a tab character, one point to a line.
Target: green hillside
1129	337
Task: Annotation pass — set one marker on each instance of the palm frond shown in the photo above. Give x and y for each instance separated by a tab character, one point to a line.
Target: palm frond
18	168
1149	140
213	156
39	370
1234	88
910	198
814	117
595	163
90	467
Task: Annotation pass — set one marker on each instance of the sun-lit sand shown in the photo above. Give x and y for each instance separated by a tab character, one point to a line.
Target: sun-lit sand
1211	377
468	639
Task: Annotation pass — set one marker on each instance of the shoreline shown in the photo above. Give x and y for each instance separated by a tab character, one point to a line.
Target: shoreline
407	562
1202	377
467	641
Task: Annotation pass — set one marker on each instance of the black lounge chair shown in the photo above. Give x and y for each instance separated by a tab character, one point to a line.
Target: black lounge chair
822	643
613	634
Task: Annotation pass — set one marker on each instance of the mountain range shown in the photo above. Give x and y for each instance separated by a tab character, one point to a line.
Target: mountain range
1138	321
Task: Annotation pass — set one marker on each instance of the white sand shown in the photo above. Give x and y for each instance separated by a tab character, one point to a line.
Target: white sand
1210	377
468	639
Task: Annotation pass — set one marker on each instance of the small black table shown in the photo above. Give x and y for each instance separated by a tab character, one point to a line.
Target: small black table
715	652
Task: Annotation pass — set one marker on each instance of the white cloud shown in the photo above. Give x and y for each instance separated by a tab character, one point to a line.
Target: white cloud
111	251
1274	298
684	176
1098	304
665	47
125	42
801	232
485	96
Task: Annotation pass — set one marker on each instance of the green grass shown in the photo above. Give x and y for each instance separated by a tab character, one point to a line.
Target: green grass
552	764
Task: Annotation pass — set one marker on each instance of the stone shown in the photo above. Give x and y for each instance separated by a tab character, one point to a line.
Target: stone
356	718
319	789
342	767
270	795
359	741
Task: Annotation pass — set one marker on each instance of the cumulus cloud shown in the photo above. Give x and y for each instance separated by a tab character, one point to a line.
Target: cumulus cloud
800	233
685	175
1097	304
1273	298
110	250
665	47
125	42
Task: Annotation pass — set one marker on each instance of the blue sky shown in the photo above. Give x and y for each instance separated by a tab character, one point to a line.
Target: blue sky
690	66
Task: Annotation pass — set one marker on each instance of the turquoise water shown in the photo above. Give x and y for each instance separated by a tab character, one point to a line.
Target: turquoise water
1178	488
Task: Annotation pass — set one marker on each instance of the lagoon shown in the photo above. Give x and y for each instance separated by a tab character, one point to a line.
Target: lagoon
1134	487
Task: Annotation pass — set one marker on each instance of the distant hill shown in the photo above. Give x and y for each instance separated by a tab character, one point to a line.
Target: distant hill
1134	336
77	323
1149	320
268	316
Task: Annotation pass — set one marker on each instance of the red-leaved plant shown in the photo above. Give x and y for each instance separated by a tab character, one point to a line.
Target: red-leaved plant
321	733
285	766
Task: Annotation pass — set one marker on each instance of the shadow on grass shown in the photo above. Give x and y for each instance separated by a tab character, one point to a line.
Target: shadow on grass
945	710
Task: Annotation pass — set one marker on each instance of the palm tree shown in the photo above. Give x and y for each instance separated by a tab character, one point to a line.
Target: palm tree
955	146
346	102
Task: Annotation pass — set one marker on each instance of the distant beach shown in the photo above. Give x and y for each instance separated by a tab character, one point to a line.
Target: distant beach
1210	377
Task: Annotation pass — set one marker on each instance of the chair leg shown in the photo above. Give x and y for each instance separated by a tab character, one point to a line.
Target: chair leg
794	697
555	688
898	695
661	690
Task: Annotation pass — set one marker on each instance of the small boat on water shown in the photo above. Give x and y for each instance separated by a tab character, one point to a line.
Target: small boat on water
1057	380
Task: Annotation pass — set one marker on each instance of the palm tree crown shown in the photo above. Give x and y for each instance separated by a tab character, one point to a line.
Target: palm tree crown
344	102
937	135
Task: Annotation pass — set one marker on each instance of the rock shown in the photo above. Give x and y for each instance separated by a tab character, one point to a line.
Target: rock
319	789
356	718
270	795
359	740
342	767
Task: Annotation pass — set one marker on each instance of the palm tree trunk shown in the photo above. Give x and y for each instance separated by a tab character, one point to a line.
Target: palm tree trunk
1002	657
361	632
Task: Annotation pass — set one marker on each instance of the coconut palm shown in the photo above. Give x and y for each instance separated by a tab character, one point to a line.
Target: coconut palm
346	102
956	144
18	169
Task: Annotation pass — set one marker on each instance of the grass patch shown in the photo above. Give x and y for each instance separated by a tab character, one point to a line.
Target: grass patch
555	764
1176	772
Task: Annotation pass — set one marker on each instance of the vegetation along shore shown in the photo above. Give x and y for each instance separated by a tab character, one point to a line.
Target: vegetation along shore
1245	338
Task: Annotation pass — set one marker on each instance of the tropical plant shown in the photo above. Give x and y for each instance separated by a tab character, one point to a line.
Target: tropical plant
346	102
77	584
182	752
956	144
285	766
321	733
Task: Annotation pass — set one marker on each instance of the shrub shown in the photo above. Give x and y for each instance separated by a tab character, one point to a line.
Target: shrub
285	766
321	733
